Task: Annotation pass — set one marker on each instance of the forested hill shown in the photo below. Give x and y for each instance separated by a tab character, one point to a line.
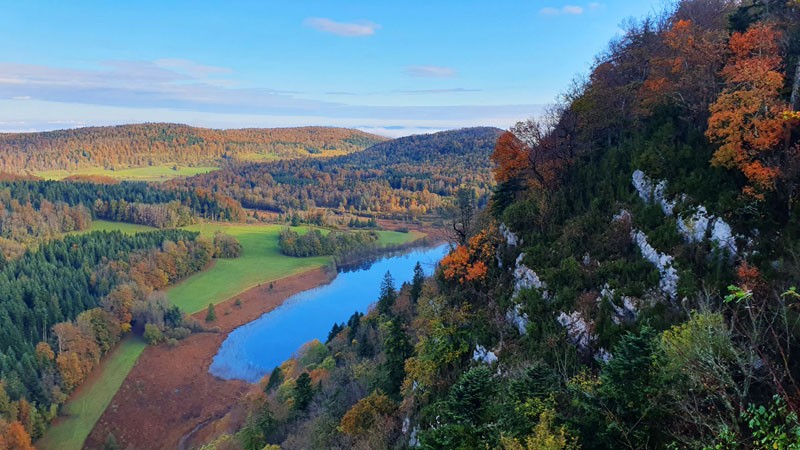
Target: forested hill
143	145
632	284
412	176
473	143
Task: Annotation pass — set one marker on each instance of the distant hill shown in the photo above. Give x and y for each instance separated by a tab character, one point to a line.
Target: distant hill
410	175
155	144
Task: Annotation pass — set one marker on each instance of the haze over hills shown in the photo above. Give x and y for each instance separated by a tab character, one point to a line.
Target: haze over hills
154	144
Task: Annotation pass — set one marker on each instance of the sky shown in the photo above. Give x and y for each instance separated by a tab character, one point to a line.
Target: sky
388	67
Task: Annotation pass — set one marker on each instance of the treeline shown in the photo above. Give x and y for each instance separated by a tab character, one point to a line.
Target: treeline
112	201
407	177
315	243
159	215
65	305
152	144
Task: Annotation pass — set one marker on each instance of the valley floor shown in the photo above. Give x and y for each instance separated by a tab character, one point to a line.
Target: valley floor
175	381
169	392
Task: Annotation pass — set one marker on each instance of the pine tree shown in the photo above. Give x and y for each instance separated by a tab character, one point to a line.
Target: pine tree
388	294
416	282
303	392
397	350
211	315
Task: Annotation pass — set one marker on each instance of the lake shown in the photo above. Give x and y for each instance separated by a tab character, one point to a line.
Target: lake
253	350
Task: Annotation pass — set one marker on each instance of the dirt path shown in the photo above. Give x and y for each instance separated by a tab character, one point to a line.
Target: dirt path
169	392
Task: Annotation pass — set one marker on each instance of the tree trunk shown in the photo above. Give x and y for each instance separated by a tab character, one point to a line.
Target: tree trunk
795	100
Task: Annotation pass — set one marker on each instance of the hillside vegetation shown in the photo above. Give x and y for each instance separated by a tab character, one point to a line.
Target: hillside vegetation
631	284
405	177
158	144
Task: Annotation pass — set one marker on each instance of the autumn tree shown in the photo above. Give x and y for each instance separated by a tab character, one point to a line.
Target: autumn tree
368	414
471	262
534	151
687	71
746	119
510	157
16	438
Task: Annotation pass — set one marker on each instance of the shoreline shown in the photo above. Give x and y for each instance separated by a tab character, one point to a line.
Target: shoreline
170	392
190	396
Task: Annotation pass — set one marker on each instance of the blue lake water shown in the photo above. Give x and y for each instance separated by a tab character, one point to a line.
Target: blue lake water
253	350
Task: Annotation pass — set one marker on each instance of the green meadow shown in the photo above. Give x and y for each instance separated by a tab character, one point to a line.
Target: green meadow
84	409
150	173
105	225
260	262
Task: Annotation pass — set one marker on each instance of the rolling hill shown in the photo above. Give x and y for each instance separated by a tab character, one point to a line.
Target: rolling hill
411	175
163	144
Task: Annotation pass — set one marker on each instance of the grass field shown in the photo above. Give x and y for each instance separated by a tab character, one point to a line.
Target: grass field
105	225
85	408
152	173
395	237
261	262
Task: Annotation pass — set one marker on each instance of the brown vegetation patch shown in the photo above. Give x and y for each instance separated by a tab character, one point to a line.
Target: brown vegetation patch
170	392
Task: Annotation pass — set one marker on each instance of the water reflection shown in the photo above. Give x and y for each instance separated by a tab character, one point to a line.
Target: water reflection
253	350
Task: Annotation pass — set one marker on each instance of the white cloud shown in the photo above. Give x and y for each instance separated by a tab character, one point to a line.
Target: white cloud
38	97
573	10
341	28
140	84
430	71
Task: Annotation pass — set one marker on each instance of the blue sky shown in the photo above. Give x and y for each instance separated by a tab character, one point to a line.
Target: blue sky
389	67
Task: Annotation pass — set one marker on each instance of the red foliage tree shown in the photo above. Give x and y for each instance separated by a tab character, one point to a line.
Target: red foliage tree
747	118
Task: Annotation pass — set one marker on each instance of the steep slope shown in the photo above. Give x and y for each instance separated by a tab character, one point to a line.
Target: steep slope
151	144
629	286
408	176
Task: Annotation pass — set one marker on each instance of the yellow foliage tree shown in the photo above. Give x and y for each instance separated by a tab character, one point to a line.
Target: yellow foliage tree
368	412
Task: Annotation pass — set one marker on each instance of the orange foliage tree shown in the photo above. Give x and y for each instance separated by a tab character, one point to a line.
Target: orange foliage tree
470	263
747	117
688	69
14	437
510	156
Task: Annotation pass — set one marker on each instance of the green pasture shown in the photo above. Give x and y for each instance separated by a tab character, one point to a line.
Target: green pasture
150	173
84	409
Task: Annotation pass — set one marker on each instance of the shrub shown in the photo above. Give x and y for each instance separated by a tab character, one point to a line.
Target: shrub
152	334
178	333
226	246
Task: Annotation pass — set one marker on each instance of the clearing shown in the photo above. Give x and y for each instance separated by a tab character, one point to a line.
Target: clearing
105	225
151	173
